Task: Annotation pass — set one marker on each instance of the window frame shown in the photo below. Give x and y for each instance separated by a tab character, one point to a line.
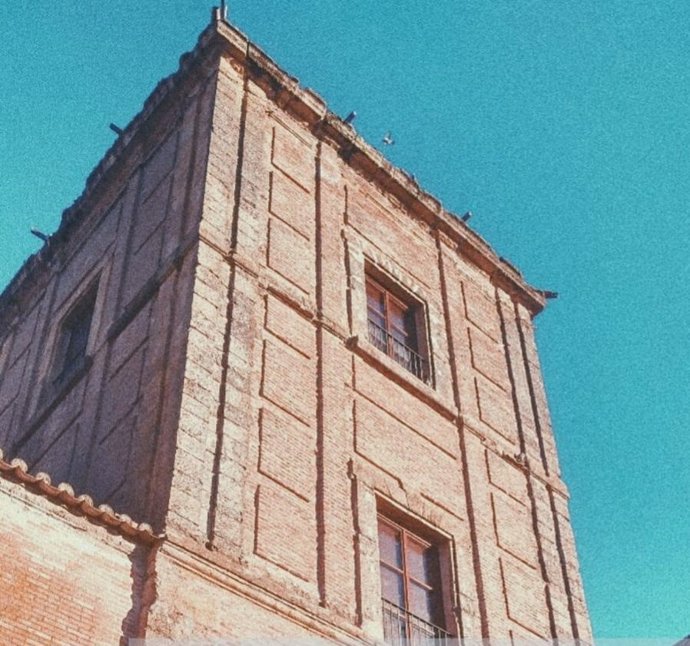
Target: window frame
408	313
414	354
410	530
64	366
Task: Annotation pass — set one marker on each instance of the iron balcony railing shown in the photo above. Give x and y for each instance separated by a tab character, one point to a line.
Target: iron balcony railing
401	628
402	354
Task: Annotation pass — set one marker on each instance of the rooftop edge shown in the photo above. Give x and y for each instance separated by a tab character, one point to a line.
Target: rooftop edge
310	107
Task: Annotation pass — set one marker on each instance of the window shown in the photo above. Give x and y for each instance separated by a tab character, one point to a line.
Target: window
73	337
396	327
412	597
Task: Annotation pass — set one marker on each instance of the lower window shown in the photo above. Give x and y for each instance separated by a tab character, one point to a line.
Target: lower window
411	590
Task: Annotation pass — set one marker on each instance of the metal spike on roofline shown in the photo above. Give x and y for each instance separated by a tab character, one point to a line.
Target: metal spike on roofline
40	234
116	129
547	293
350	117
466	216
220	14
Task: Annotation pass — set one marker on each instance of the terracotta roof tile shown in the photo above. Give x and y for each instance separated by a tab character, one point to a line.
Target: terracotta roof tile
83	504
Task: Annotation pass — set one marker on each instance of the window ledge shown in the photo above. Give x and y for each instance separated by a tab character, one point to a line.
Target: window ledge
412	384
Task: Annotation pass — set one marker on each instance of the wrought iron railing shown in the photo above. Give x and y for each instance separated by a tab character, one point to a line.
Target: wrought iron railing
402	354
402	628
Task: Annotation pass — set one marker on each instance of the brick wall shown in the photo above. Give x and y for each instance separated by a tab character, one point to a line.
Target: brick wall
294	427
65	580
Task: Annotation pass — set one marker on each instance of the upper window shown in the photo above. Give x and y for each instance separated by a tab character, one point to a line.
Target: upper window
413	609
396	327
74	335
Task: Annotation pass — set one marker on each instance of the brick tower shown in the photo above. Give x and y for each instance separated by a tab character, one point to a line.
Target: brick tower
286	392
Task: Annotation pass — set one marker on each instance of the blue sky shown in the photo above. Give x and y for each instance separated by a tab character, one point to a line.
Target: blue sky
564	127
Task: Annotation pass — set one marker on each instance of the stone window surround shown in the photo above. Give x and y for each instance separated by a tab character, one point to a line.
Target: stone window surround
415	353
72	339
408	541
438	392
50	394
376	497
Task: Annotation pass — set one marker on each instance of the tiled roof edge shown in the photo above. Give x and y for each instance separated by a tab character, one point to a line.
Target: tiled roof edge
83	505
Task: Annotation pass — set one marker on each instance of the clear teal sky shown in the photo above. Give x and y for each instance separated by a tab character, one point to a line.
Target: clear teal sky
565	128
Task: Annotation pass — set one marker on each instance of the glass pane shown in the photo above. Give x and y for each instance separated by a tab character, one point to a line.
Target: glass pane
403	327
398	316
76	346
401	336
390	546
376	318
375	299
418	560
392	586
76	329
411	329
422	602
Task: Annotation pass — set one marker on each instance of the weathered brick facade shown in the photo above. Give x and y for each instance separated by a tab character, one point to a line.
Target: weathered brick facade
232	398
